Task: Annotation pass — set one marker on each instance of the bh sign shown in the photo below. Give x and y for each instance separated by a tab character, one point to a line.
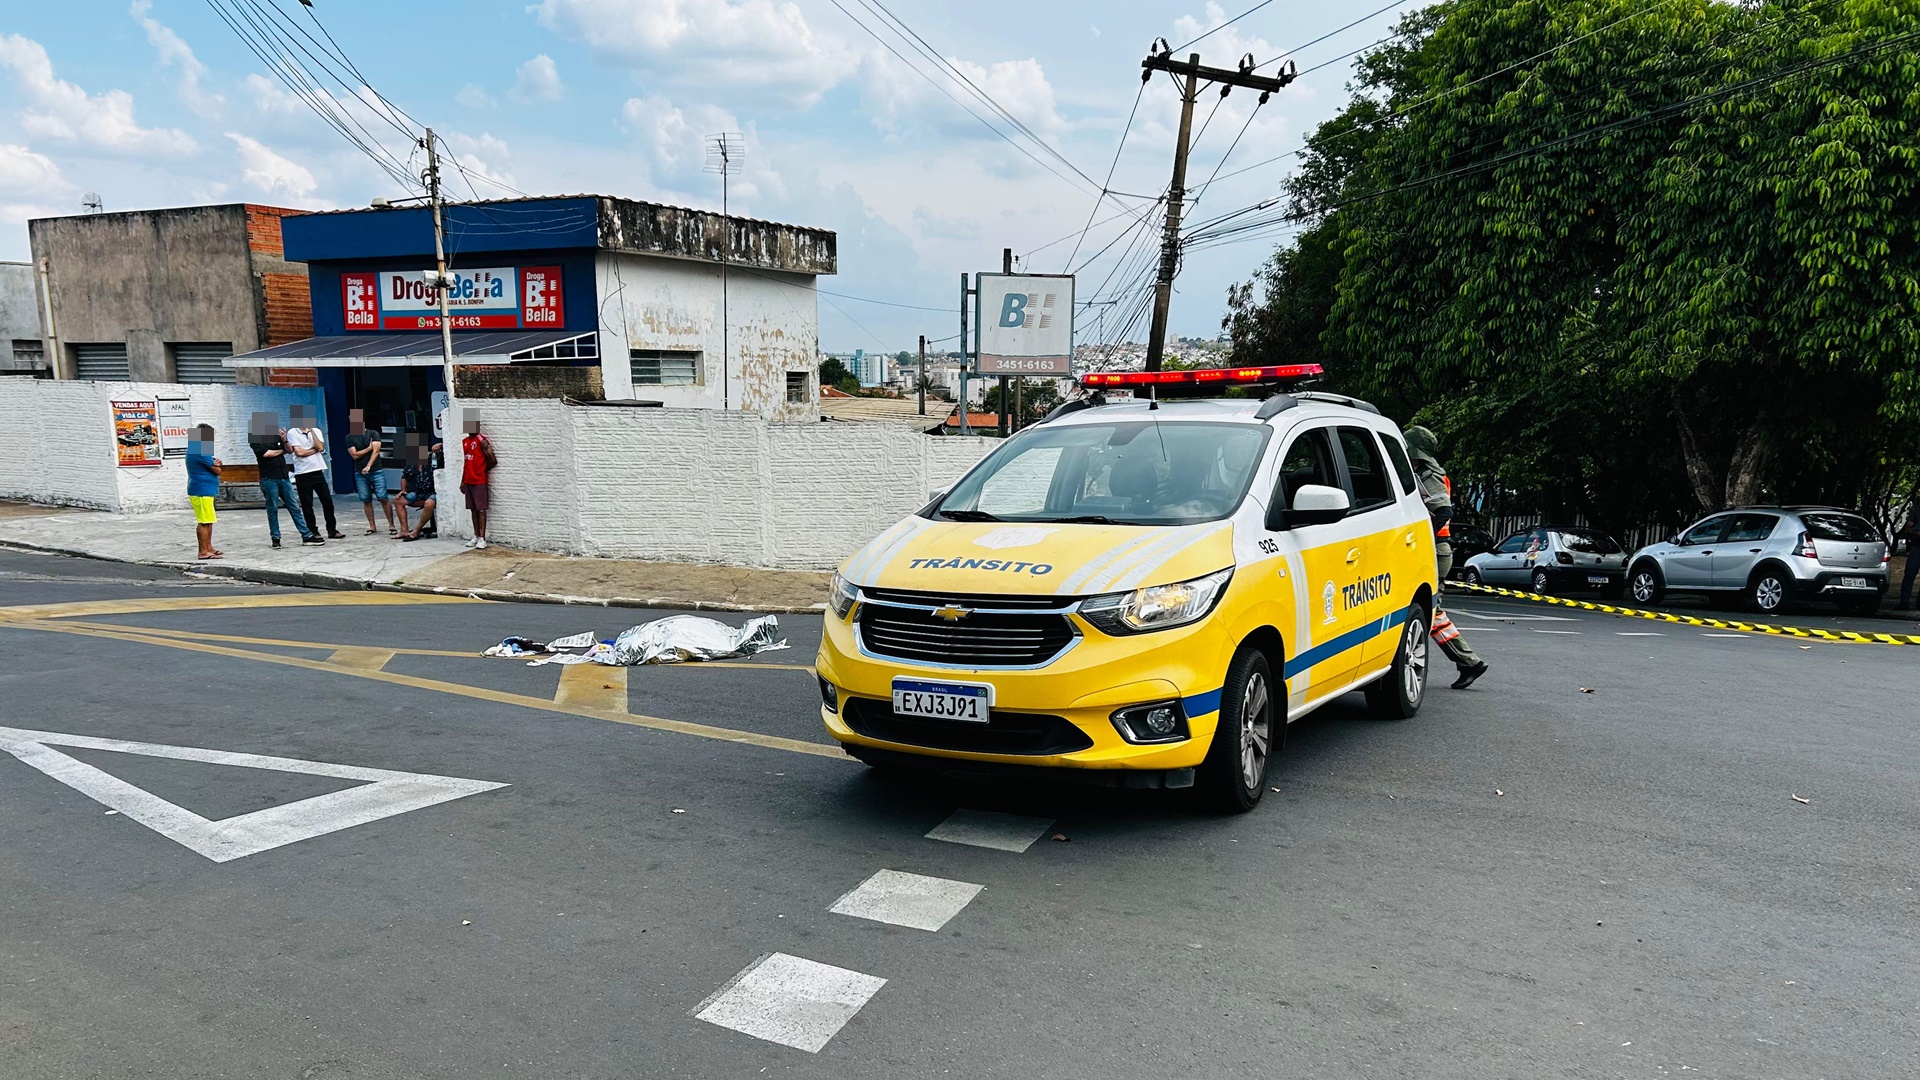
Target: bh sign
492	298
1026	324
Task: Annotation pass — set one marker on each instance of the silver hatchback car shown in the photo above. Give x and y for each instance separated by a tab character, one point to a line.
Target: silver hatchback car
1769	555
1552	558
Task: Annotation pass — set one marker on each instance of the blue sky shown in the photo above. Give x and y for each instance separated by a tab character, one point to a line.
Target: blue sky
159	103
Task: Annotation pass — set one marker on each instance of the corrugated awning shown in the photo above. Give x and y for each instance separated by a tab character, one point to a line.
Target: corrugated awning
423	350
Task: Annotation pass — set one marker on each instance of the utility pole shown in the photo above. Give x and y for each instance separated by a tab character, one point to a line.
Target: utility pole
1194	74
724	155
1006	267
440	279
923	375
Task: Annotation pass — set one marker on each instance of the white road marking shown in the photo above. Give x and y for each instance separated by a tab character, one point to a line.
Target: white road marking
1638	633
790	1000
903	899
987	829
384	794
1736	637
1491	616
1537	630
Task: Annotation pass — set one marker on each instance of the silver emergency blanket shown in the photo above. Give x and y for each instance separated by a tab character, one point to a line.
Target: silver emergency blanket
679	638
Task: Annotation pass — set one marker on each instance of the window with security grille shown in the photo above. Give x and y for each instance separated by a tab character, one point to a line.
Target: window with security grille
103	360
28	354
796	387
201	361
656	367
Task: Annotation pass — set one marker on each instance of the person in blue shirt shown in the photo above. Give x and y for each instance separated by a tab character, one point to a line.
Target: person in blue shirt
203	483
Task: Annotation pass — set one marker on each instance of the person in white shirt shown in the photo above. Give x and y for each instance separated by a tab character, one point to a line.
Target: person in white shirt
310	474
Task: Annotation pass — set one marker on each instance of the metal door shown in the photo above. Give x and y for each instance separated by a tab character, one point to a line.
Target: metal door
200	362
1690	564
1739	549
104	361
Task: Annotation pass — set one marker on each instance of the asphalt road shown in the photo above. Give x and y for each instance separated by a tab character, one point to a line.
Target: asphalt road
1527	880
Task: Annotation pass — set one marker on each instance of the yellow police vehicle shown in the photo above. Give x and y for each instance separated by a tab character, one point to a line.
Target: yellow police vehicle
1147	590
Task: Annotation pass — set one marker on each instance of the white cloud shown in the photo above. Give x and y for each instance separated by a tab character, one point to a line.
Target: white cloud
900	101
537	81
64	112
270	173
755	44
177	53
483	157
26	174
472	97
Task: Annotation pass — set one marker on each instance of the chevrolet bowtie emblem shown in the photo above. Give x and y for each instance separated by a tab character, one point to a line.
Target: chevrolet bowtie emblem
952	613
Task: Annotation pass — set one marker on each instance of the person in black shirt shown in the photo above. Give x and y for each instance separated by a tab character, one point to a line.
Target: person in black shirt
416	489
269	445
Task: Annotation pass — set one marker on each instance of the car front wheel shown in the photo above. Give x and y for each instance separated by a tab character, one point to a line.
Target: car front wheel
1397	695
1645	585
1541	583
1252	727
1471	575
1767	593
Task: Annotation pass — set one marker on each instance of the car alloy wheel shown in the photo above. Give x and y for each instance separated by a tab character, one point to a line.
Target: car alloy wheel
1413	677
1769	593
1540	582
1644	586
1472	575
1256	730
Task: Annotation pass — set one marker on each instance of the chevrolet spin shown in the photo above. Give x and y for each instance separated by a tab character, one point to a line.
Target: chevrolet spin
1149	591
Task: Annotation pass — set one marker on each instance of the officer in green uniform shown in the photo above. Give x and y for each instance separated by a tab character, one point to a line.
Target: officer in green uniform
1437	492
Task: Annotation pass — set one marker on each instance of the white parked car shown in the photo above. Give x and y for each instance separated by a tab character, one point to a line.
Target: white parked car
1552	558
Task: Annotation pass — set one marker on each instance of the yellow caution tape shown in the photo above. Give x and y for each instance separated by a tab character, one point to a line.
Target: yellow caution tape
1695	620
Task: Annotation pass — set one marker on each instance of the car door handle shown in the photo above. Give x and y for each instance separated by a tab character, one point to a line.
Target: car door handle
1706	553
1753	551
1410	540
1353	556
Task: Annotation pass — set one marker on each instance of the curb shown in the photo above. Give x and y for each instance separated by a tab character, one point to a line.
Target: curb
1695	620
305	579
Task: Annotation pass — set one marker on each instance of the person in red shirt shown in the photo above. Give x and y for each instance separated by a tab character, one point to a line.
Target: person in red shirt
478	466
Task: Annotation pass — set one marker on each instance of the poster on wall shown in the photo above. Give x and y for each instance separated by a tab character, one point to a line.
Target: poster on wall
136	433
485	298
176	416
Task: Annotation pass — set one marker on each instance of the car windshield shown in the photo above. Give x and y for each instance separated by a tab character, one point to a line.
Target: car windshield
1842	527
1588	541
1135	472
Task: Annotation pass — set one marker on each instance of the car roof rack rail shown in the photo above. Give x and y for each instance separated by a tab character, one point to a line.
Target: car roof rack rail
1339	399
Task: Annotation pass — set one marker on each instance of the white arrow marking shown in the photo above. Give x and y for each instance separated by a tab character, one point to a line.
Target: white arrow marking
385	793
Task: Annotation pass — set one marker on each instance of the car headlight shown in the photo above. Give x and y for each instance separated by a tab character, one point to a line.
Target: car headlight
841	595
1157	607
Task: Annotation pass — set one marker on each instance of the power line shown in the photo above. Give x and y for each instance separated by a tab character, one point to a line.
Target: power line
1342	30
1108	182
1230	22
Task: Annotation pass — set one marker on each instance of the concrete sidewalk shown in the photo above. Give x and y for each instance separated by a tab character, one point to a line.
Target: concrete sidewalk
381	562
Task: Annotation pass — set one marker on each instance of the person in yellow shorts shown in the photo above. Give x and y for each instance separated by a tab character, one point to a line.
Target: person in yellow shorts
203	483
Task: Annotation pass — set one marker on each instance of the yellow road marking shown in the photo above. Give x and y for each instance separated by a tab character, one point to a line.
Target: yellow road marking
593	686
242	639
1695	620
212	603
287	643
706	731
360	659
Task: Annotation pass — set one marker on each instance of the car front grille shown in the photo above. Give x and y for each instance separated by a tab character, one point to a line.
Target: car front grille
1005	732
988	635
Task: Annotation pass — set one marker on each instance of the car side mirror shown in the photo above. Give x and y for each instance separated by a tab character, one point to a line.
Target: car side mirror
1317	504
936	493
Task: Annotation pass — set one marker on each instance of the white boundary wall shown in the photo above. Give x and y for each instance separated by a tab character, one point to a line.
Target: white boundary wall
56	440
697	485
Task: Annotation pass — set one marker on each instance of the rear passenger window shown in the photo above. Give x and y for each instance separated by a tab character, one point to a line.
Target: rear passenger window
1365	469
1402	467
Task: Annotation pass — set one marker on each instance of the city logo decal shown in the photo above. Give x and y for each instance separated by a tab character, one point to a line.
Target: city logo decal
1004	566
1326	602
1013	536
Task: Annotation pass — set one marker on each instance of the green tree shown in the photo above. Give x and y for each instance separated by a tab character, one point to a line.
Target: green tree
834	373
1038	399
1665	261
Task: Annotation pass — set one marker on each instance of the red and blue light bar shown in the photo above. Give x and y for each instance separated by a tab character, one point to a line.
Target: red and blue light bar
1203	376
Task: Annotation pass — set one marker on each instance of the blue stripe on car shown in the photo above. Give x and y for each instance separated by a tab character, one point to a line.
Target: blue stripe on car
1202	704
